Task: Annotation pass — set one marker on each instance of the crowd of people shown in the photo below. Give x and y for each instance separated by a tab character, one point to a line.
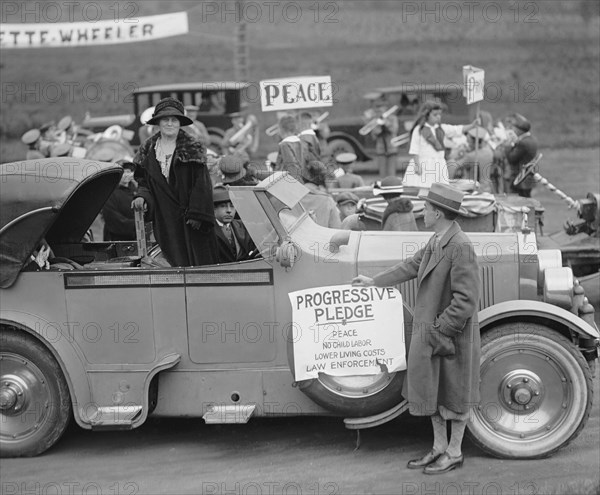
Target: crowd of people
172	176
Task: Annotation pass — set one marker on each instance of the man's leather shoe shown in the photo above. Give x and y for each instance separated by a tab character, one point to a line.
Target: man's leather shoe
427	459
444	463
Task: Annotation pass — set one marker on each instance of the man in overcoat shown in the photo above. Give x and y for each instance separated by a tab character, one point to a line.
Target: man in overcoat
442	379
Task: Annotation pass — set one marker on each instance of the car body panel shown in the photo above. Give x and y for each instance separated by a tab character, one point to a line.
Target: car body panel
216	335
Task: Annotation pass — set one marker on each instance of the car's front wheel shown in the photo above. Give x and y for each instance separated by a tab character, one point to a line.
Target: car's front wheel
35	405
536	392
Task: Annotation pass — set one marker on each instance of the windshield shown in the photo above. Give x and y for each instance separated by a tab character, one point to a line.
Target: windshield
290	217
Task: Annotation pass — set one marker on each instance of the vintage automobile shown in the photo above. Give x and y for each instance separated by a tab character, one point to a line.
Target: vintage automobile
109	338
345	136
216	101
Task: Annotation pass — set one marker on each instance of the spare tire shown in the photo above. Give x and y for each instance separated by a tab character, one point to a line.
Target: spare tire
359	395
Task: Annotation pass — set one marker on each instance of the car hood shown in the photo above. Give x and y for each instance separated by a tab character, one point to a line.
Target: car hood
55	198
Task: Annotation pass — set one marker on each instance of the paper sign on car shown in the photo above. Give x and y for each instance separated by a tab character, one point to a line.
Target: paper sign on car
343	330
296	92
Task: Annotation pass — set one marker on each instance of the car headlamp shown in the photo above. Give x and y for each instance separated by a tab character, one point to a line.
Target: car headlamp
558	286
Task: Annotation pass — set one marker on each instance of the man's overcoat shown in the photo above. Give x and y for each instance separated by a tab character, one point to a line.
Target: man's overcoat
187	195
446	302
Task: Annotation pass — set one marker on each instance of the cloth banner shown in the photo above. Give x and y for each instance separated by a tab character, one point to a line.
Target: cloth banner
344	331
103	32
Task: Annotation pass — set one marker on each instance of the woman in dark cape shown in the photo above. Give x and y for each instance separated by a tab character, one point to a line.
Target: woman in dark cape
175	189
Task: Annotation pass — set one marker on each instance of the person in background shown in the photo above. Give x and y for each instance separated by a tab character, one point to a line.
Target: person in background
249	141
175	189
476	163
386	152
517	153
318	203
32	139
346	203
428	161
196	129
291	153
119	218
234	169
442	378
398	214
233	240
348	180
309	137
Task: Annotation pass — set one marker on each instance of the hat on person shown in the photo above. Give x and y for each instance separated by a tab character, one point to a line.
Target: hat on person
445	197
46	126
479	133
232	167
345	158
314	172
64	123
169	107
31	136
521	123
60	149
220	195
347	197
389	185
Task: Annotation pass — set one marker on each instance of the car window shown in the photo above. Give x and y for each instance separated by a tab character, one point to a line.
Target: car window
290	217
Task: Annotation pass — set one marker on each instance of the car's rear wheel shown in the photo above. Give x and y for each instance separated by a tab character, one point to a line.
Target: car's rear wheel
35	405
360	395
536	392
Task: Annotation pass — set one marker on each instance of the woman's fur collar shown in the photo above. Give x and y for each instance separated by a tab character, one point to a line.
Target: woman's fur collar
187	148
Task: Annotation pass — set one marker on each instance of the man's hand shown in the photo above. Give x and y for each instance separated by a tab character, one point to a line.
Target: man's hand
363	281
139	204
195	224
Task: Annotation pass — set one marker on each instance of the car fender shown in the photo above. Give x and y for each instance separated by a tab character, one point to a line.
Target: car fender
536	309
362	153
66	354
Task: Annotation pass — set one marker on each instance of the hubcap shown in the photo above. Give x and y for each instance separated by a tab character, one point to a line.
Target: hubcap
525	393
24	397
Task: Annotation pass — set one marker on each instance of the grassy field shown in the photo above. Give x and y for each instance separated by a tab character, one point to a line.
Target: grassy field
541	59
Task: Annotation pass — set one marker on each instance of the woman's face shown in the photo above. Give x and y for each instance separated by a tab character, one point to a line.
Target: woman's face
434	117
169	126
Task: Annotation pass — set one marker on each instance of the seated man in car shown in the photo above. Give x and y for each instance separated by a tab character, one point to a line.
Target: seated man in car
233	240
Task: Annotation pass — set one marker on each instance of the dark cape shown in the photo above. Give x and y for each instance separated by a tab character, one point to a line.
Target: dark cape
186	196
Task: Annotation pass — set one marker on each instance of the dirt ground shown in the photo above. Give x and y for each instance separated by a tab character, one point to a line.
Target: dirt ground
315	456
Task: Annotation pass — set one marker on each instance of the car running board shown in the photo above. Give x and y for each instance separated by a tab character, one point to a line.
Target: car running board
230	414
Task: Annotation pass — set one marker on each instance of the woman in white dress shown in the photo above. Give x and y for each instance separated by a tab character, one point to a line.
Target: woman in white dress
428	163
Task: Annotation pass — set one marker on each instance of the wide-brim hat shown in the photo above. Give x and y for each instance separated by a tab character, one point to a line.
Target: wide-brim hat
232	167
345	158
347	197
389	185
445	197
126	164
314	172
31	136
64	123
169	107
220	195
521	123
